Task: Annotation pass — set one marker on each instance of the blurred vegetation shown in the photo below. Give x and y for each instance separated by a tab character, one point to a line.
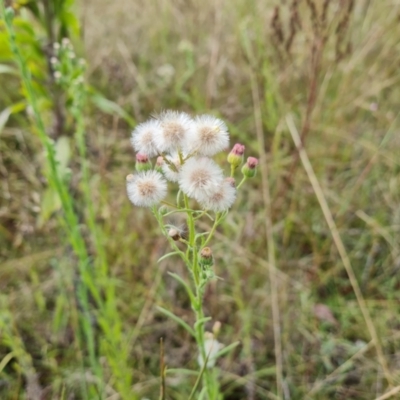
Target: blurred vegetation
78	274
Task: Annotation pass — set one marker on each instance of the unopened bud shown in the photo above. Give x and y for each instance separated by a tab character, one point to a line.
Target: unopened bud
142	163
216	328
249	169
235	157
206	257
174	234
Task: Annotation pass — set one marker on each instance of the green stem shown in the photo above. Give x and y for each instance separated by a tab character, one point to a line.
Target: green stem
241	183
179	210
171	241
190	219
200	335
166	203
192	241
214	227
198	307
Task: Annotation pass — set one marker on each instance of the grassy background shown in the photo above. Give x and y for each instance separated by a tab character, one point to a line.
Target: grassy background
336	73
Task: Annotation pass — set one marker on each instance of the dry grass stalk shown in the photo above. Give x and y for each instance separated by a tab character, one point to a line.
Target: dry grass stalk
340	248
321	26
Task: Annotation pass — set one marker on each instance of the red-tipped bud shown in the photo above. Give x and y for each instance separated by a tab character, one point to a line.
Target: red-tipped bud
141	158
142	162
249	169
235	157
238	149
252	162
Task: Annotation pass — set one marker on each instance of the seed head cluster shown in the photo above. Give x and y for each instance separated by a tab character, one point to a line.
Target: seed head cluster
182	146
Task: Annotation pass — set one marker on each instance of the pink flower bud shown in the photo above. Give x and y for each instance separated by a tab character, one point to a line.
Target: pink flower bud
238	149
141	158
235	157
249	169
252	162
142	162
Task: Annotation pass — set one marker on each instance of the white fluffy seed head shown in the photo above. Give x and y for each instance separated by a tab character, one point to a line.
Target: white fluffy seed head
221	199
175	128
208	136
143	137
146	188
200	177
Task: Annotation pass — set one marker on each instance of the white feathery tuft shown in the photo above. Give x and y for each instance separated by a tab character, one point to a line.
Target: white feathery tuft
143	137
146	188
220	200
200	177
175	128
208	136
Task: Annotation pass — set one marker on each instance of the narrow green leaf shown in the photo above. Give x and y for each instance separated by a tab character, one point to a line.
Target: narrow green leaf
180	321
110	107
50	203
70	22
203	394
202	321
185	285
227	349
196	385
168	255
33	7
6	359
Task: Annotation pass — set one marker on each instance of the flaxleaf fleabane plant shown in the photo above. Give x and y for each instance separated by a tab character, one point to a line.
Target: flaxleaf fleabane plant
182	147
